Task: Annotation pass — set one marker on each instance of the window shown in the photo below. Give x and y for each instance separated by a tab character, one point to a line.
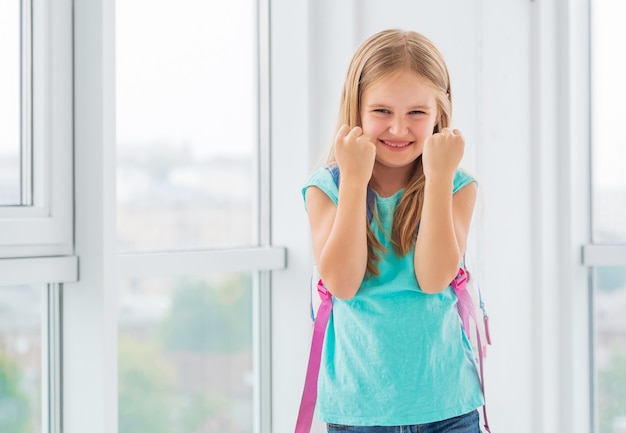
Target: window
35	129
608	215
197	333
610	347
35	208
29	358
187	132
192	219
12	50
22	315
609	146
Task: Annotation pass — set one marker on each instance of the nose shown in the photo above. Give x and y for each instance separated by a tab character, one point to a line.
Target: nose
398	126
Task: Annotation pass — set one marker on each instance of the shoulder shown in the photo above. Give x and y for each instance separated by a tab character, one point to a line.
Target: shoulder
326	179
462	178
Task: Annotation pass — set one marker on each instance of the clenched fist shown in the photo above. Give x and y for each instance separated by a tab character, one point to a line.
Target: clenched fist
355	153
442	153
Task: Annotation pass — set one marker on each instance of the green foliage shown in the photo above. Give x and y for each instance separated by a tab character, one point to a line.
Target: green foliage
199	408
146	383
612	390
149	400
208	317
205	317
14	405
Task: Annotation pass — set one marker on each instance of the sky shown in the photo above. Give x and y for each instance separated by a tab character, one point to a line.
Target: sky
9	77
176	84
608	92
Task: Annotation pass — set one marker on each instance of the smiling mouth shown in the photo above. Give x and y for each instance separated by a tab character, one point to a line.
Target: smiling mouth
396	144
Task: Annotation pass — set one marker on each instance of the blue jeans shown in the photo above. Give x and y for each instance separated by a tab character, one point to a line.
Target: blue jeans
468	423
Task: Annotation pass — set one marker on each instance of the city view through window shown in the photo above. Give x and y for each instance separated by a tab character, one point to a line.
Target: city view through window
21	356
187	129
10	106
608	144
187	138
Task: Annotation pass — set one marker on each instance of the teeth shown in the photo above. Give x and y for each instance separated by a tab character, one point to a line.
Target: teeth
404	144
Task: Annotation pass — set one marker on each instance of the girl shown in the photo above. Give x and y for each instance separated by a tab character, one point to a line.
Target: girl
388	238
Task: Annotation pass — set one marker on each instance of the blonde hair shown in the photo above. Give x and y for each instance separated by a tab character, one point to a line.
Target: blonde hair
379	56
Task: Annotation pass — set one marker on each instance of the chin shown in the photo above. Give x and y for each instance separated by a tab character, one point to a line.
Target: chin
397	163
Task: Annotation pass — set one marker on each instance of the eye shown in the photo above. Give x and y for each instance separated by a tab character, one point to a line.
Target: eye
416	112
381	110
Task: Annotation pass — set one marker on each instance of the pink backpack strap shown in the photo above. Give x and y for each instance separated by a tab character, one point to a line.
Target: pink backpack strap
466	310
465	305
309	394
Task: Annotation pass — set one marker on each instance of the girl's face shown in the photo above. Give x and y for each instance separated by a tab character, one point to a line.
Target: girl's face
399	113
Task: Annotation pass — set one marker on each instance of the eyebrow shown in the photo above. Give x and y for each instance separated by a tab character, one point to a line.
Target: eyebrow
415	107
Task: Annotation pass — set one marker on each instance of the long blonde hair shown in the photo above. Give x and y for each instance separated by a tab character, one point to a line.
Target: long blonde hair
379	56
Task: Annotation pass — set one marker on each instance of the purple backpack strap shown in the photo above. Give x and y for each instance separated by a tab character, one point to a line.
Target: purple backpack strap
465	305
309	394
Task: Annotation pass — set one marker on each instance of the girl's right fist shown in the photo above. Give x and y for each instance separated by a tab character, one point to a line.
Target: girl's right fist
355	153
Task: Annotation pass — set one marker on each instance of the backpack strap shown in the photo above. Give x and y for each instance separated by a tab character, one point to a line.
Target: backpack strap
309	394
466	309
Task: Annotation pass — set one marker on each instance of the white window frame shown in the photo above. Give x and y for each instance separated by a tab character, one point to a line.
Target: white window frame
51	363
89	330
43	226
568	65
595	254
36	244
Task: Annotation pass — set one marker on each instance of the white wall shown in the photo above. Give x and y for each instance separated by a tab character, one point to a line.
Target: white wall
515	66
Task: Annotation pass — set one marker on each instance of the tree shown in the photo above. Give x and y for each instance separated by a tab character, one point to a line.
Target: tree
146	385
612	390
210	317
14	405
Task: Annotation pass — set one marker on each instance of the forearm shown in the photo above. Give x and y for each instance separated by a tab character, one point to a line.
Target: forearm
437	252
343	260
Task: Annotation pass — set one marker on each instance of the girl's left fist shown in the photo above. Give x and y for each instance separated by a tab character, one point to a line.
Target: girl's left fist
443	152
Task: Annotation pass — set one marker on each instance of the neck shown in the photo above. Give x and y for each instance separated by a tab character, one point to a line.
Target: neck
386	181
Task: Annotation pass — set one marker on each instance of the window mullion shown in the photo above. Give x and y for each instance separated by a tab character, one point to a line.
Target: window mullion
201	262
51	398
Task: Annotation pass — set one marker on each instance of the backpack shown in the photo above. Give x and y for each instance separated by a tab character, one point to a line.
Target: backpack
321	306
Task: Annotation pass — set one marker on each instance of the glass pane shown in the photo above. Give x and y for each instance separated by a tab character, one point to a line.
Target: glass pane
20	359
10	173
186	124
608	113
610	348
185	355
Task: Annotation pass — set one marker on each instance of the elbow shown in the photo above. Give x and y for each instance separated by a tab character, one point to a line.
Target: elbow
340	284
344	290
345	295
433	284
432	289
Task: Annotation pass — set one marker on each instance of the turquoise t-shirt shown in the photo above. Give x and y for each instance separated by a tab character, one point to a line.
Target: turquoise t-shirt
394	355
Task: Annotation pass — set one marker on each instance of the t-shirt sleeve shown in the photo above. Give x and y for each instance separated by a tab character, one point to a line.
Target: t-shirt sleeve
461	179
323	180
